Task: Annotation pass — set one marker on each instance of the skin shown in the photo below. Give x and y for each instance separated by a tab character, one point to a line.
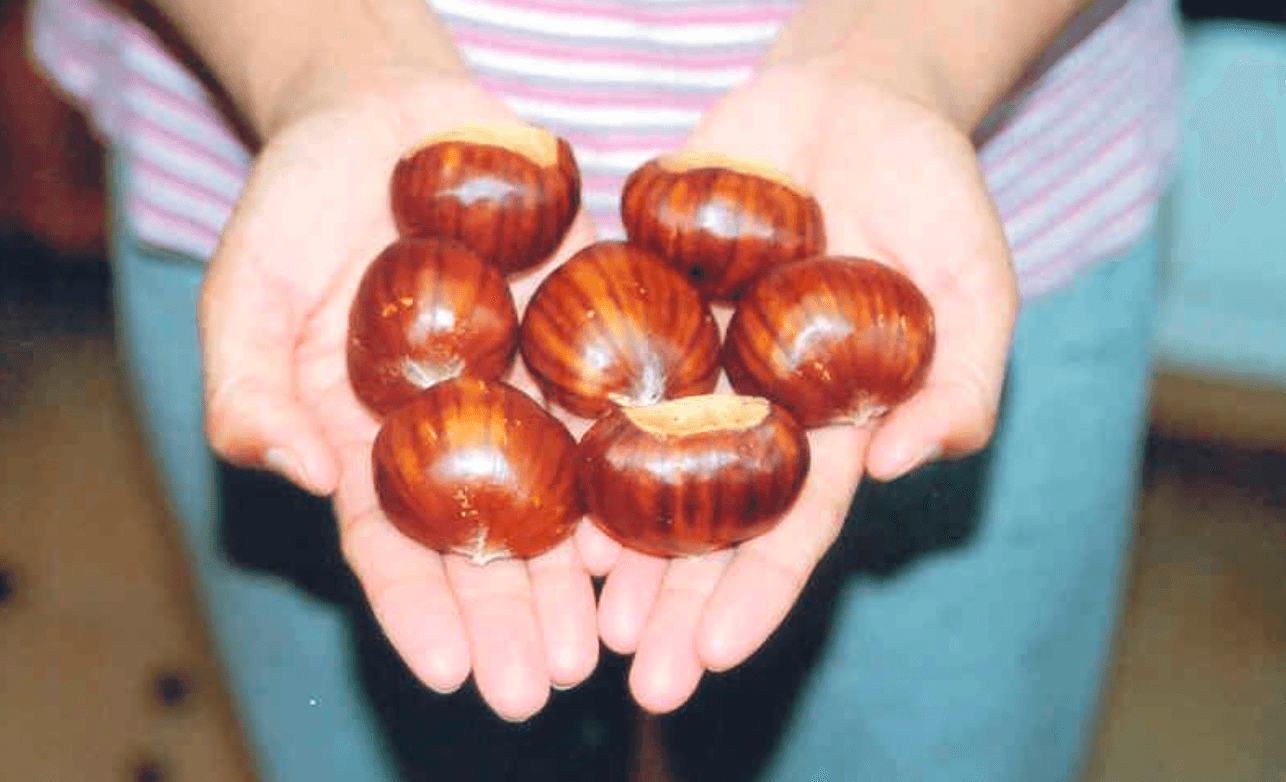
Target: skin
682	617
274	319
875	123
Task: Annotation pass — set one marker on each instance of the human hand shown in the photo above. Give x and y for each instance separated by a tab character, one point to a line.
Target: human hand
274	311
899	183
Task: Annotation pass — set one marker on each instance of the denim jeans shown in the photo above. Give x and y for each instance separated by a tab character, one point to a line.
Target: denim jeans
958	631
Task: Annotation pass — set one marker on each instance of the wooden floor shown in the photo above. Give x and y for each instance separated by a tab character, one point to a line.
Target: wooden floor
105	672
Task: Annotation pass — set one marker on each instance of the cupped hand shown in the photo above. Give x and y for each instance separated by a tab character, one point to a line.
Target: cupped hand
314	213
899	183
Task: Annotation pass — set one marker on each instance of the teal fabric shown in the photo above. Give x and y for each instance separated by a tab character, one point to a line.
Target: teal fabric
1223	309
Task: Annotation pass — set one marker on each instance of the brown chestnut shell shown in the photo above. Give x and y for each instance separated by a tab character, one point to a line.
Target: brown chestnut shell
692	475
615	325
832	339
427	310
719	221
478	468
510	193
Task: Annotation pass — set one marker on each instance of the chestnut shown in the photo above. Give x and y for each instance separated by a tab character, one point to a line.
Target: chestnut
719	220
615	325
478	468
832	339
508	191
427	310
692	475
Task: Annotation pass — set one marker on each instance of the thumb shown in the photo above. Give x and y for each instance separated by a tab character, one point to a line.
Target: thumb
254	418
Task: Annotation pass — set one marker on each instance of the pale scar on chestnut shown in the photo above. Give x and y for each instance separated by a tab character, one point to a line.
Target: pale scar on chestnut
697	414
478	552
423	374
534	143
681	162
693	474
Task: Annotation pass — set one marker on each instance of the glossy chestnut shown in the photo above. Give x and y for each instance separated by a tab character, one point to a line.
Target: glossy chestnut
692	475
508	191
477	468
427	310
720	221
832	339
617	326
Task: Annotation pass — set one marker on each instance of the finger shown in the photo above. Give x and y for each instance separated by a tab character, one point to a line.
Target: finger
598	552
564	601
406	586
775	145
627	598
965	272
944	419
505	642
975	309
249	332
768	573
666	667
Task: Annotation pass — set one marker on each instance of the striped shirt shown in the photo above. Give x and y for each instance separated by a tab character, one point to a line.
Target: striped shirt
1076	158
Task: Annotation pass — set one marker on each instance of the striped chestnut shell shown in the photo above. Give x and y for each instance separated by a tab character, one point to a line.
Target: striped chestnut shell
692	475
719	220
477	468
832	339
615	325
427	310
508	191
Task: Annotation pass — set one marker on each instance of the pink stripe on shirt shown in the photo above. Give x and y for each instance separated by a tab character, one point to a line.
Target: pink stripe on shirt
598	95
1024	163
623	141
185	103
509	43
1097	85
197	231
671	14
150	132
1131	210
1123	231
1089	150
195	189
1087	201
201	118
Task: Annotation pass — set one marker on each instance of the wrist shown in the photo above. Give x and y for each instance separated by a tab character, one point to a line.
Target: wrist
854	47
905	70
314	86
272	58
959	59
370	60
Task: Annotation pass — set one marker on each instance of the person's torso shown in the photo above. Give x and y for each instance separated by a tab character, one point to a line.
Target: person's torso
1075	156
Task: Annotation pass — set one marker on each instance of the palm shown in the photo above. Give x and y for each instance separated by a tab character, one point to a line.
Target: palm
314	213
897	184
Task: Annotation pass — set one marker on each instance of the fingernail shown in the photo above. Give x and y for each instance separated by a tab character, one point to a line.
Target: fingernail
287	466
927	454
